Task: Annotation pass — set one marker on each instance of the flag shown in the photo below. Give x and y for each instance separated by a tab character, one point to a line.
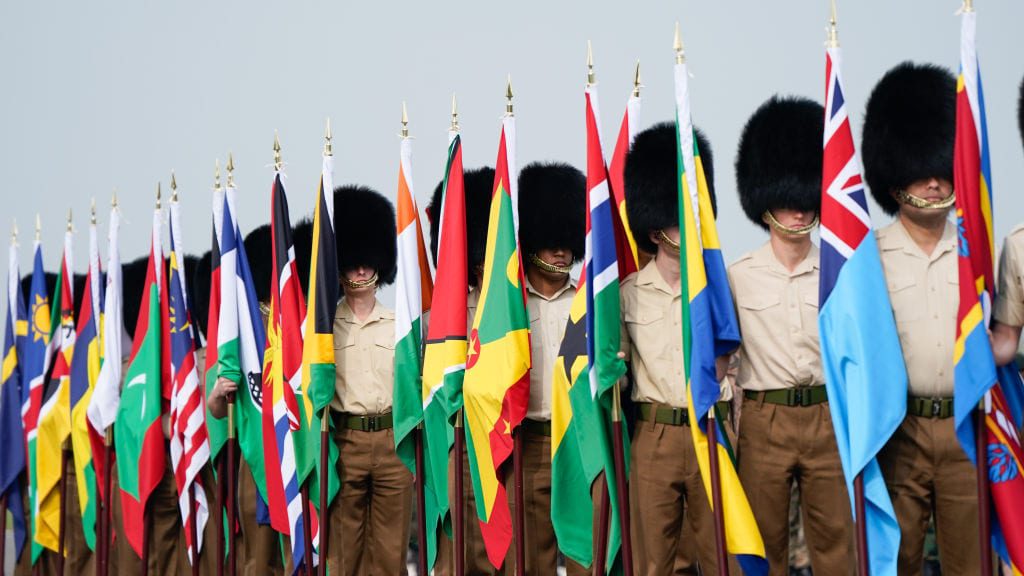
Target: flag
85	369
412	299
444	356
497	381
318	370
106	394
138	435
865	375
216	428
282	370
975	377
190	448
55	407
710	329
36	355
588	367
629	258
12	433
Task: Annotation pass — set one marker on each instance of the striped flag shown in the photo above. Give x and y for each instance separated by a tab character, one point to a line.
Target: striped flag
629	258
190	448
413	294
444	356
138	435
36	355
106	394
318	369
865	375
282	370
975	377
85	369
12	433
497	382
216	428
55	407
710	329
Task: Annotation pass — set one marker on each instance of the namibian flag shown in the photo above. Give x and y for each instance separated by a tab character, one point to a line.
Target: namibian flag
85	370
975	377
497	384
34	359
444	357
710	329
12	433
55	408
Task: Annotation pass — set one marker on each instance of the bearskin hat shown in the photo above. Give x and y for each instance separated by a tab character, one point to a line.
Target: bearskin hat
552	208
479	186
909	129
302	242
50	281
78	292
1020	110
652	187
365	231
257	251
133	281
201	291
778	164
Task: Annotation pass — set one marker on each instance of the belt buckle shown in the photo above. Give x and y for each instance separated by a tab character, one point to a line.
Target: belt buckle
677	416
798	397
372	421
936	407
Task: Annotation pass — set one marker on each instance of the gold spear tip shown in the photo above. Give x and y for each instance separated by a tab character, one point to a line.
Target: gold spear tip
174	188
637	84
113	199
677	45
455	113
92	210
590	63
277	151
508	95
968	6
39	226
158	195
216	174
405	121
833	32
327	139
69	219
14	231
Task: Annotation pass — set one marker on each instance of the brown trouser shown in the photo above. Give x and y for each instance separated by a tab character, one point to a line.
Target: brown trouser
164	527
370	516
476	563
208	550
928	473
259	549
540	549
78	558
782	445
663	478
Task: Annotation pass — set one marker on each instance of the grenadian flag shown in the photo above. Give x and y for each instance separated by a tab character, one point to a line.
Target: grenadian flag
975	377
496	390
865	375
34	359
12	433
710	329
85	370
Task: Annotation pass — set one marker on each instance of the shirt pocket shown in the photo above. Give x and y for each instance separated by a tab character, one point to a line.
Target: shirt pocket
646	329
908	303
384	358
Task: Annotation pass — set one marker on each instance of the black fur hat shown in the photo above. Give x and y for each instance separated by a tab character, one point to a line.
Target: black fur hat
302	242
909	128
652	188
78	292
257	250
49	278
1020	110
201	291
552	208
479	186
778	164
365	230
133	280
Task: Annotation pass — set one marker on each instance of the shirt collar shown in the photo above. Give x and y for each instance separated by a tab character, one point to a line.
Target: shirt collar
345	313
904	242
765	256
649	275
570	284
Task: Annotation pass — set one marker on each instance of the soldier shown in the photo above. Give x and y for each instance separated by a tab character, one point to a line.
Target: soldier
552	228
1009	306
370	517
664	475
907	147
786	437
478	185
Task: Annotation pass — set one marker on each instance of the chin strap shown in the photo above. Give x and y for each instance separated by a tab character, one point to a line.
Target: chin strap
355	285
801	231
669	243
918	202
551	268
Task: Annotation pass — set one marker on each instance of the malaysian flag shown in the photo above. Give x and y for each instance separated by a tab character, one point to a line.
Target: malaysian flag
860	348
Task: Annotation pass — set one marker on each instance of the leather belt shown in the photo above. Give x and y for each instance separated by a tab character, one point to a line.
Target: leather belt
800	396
364	423
536	427
664	414
925	407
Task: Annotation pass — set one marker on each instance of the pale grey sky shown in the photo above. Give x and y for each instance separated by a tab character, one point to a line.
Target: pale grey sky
104	95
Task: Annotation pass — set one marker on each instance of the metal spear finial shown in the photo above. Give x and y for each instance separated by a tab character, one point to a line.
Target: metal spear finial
968	6
113	199
508	96
590	64
157	195
39	227
69	219
277	152
92	211
327	139
455	115
636	81
677	45
14	232
174	188
231	170
216	174
833	32
405	121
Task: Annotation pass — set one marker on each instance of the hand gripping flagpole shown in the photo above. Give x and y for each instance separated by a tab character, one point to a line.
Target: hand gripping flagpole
325	432
232	442
460	440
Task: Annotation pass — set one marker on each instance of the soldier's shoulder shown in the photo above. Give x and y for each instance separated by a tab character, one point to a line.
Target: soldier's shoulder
742	263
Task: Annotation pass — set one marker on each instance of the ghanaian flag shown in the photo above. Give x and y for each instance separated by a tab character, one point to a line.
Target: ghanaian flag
497	383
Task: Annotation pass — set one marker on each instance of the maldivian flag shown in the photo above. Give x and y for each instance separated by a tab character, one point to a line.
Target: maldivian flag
581	432
865	375
55	410
975	377
444	357
216	428
85	370
413	293
12	433
36	356
318	345
497	383
282	369
138	436
710	329
106	395
624	242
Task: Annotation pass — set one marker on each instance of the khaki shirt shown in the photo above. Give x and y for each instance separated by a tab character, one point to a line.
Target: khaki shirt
547	326
653	337
472	300
1009	306
778	315
924	293
364	356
